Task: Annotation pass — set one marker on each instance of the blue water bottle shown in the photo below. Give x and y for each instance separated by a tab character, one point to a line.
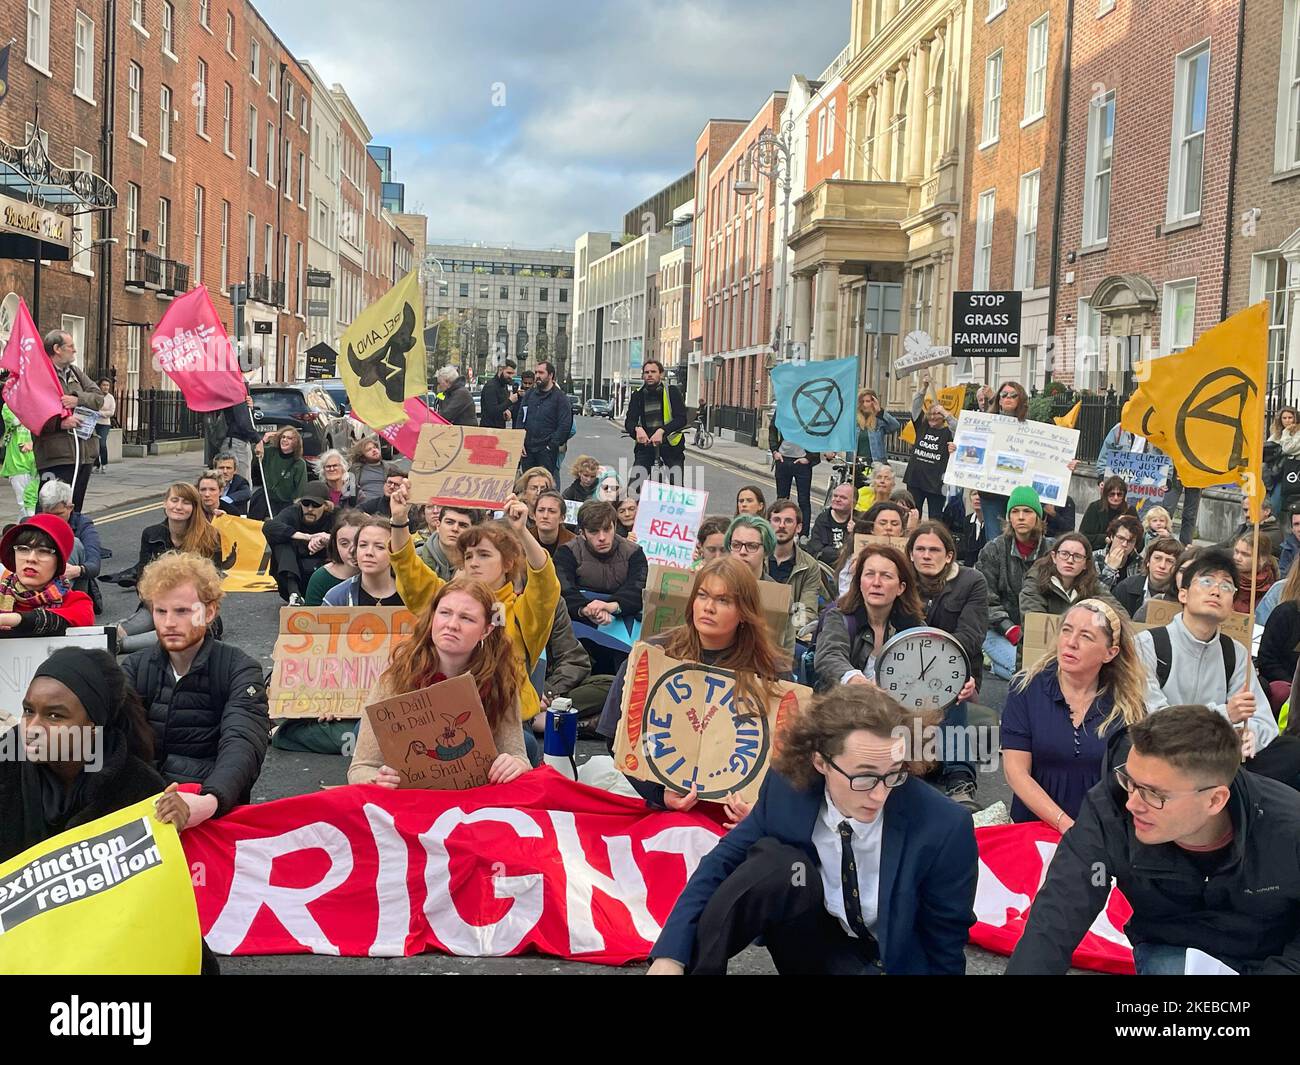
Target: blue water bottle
560	746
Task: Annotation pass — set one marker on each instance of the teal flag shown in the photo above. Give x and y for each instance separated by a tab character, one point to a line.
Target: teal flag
816	404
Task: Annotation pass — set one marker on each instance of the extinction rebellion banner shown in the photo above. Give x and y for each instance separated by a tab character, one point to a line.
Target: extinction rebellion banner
541	864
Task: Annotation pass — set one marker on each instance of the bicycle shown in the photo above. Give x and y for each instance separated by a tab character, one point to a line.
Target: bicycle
703	438
842	473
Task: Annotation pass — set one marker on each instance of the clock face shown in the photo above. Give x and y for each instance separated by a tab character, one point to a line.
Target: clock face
922	669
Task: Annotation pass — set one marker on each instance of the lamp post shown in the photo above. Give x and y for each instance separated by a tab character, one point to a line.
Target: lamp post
772	155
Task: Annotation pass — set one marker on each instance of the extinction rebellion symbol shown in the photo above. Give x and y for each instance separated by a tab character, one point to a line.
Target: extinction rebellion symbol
817	406
1228	388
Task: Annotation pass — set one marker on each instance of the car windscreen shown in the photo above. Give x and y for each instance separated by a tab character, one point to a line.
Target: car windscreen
279	402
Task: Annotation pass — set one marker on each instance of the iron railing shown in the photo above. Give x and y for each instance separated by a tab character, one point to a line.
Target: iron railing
259	288
175	277
742	421
143	269
153	414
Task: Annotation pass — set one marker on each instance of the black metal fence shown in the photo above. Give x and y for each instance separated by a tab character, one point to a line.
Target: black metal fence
741	420
154	414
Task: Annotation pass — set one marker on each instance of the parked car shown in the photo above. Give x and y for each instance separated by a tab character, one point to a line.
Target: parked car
575	403
600	408
307	407
357	429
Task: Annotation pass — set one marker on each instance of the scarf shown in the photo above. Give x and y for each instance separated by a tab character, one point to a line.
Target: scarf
14	596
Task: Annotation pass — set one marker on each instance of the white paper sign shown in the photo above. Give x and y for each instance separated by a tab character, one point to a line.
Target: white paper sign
999	454
919	351
571	508
666	520
20	659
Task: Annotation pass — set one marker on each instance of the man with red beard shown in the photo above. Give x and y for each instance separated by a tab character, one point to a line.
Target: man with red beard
205	700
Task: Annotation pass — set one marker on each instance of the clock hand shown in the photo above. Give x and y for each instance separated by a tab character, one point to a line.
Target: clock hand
925	665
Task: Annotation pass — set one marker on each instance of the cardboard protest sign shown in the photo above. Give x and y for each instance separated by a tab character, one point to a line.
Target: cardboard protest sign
327	659
666	520
1146	474
245	559
861	540
1163	611
997	454
20	658
1038	635
663	603
680	726
465	466
437	737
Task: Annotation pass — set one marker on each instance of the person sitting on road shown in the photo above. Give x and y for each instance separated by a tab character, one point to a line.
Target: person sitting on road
284	472
791	565
548	521
297	537
1059	519
750	500
626	509
82	571
911	515
832	527
1113	503
187	529
724	627
1121	558
341	554
973	536
208	485
1291	544
1189	839
1061	578
374	584
455	634
1061	709
1004	562
340	485
368	469
34	601
532	483
1263	573
205	700
439	551
841	765
394	478
236	492
879	490
1156	580
609	489
752	539
1278	655
585	470
885	518
1270	532
711	539
1156	523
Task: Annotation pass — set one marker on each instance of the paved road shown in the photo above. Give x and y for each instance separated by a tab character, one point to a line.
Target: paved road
251	623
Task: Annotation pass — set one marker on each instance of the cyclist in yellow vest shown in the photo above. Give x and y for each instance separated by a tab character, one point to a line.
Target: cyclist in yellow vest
656	420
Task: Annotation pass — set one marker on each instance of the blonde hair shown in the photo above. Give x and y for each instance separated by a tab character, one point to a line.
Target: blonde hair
1151	513
175	568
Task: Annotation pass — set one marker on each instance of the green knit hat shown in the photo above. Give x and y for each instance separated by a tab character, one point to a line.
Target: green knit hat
1024	496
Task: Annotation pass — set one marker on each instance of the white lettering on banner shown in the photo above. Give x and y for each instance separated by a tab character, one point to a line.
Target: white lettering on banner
251	888
690	841
1102	926
390	885
627	885
528	892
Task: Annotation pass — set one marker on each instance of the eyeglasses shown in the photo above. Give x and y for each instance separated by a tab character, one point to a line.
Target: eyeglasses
1210	584
1149	795
1070	556
43	553
868	781
745	548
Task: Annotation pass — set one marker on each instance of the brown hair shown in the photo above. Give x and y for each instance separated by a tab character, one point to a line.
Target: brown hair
1022	405
585	464
779	505
821	729
867	421
174	568
200	538
500	536
753	656
349	516
297	436
1129	522
908	602
356	450
1086	584
1165	545
492	664
1277	421
711	526
929	587
521	482
1193	739
597	514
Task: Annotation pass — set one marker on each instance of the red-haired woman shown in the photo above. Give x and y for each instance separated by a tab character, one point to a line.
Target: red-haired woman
457	634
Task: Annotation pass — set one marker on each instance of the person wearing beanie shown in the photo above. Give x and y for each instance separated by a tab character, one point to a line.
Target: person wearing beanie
1004	562
34	600
298	536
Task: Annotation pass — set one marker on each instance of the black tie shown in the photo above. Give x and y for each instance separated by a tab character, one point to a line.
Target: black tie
849	884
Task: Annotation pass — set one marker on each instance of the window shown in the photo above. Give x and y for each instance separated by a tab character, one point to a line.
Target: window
996	7
564	295
505	291
543	294
1027	231
922	294
268	250
1177	324
1036	71
272	79
81	232
830	127
523	293
38	34
252	139
821	134
137	14
198	234
230	33
1288	92
249	241
164	222
133	369
442	288
288	98
165	120
132	216
297	279
254	59
1096	187
134	76
1187	152
201	112
1279	321
83	64
1105	7
984	240
168	29
464	290
270	154
483	292
287	183
205	14
992	97
302	182
225	245
1087	346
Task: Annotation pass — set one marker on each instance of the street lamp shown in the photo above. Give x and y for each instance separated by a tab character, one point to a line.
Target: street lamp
772	155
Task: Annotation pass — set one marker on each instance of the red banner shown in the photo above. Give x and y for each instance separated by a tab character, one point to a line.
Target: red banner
540	864
191	347
32	390
405	435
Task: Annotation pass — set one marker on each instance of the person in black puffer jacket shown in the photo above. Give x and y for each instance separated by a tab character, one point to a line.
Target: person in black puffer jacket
205	700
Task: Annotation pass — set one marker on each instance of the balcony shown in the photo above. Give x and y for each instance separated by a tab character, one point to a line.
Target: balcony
175	279
143	270
259	288
851	221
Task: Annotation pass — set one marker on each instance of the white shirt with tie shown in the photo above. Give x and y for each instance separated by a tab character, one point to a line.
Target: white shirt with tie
867	837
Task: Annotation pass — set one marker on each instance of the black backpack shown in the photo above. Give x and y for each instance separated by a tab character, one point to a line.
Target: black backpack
1165	656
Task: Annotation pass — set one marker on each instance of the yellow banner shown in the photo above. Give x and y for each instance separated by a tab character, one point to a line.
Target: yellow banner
1070	417
113	897
245	558
1204	407
382	355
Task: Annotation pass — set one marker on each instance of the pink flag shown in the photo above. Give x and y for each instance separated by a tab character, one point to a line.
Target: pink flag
32	390
191	347
404	435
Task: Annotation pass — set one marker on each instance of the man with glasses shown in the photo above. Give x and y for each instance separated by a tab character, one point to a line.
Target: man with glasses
792	566
1120	558
846	865
298	537
753	540
1205	855
394	479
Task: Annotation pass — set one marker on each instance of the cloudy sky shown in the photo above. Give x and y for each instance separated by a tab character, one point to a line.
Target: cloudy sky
602	100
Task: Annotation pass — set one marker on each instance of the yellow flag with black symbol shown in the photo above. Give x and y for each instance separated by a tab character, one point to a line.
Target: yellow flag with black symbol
1204	407
245	561
113	897
382	356
1070	417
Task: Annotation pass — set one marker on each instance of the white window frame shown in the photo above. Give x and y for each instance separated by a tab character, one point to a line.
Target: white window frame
228	119
162	236
81	223
225	246
75	326
991	130
165	122
1096	227
272	79
230	34
132	216
199	206
201	108
996	7
255	59
137	6
133	371
250	240
252	140
1027	229
168	30
1105	7
1087	344
1184	140
270	154
38	35
985	215
1287	140
830	127
302	183
83	61
134	92
1169	341
205	14
1036	70
821	134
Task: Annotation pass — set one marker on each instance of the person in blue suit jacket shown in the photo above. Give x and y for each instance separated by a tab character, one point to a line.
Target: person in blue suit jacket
839	807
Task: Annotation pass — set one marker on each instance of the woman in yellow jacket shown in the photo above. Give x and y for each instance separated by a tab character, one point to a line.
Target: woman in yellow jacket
497	553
